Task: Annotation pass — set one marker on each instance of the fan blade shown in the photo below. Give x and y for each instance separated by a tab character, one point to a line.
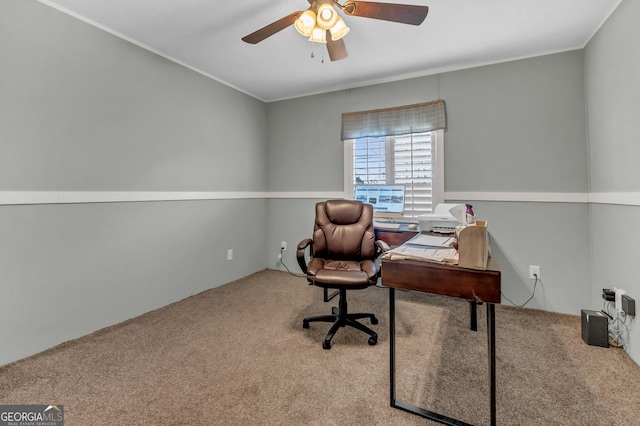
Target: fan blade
402	13
337	49
271	29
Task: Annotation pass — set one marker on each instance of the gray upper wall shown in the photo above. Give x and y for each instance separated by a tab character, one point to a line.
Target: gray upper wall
612	64
71	119
517	126
304	148
512	127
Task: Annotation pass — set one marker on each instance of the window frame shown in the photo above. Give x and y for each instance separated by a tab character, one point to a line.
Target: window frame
437	155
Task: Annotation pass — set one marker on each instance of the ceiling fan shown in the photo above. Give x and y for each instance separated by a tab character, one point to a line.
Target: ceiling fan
322	24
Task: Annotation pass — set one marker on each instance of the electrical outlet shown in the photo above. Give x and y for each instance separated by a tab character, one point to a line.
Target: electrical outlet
230	254
283	246
534	271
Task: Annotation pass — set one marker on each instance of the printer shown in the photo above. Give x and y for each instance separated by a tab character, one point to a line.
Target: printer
441	220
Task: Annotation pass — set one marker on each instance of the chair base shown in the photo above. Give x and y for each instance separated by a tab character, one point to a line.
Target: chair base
341	318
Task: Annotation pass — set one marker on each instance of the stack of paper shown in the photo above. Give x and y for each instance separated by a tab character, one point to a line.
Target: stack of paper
447	256
431	241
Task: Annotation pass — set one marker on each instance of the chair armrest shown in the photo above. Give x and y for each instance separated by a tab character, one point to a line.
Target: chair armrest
302	246
381	247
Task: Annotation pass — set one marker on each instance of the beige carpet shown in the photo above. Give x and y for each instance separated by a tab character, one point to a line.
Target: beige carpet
238	355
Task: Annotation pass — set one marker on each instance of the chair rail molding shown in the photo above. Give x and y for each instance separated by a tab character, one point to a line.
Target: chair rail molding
78	197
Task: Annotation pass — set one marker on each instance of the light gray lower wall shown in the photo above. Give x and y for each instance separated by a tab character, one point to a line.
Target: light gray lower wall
68	270
615	261
82	110
612	64
289	220
554	236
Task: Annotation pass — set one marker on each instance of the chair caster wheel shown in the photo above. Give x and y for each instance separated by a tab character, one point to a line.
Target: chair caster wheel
305	324
326	345
374	320
334	310
373	340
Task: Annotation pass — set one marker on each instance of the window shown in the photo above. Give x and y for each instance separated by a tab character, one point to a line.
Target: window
398	145
413	160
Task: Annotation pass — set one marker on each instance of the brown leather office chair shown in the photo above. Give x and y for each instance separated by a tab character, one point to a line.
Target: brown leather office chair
342	256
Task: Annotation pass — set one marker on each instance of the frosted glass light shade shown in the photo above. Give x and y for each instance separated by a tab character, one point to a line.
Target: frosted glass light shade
318	35
339	30
327	16
306	23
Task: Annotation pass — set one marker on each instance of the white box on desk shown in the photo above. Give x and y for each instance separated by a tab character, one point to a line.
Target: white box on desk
432	222
474	246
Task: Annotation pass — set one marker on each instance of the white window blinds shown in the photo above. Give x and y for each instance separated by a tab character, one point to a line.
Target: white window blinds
413	167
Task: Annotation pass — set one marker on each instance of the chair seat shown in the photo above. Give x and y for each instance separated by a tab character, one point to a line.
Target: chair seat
342	273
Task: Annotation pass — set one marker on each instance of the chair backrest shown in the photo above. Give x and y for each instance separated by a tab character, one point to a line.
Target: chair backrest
344	230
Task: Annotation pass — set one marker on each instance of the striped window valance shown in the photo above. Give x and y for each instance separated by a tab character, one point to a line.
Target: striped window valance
401	120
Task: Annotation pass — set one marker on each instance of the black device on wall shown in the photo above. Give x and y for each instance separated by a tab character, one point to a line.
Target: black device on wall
628	305
595	328
608	294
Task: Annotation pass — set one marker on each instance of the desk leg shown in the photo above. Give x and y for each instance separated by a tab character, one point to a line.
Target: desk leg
491	343
392	343
473	309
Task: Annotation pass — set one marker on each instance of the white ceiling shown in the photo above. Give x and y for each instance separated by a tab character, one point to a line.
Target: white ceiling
205	35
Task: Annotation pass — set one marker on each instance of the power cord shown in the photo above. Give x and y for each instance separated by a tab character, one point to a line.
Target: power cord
535	284
617	325
285	266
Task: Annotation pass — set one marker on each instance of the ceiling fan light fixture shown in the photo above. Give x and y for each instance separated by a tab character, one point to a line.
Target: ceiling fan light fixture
327	16
318	35
339	30
306	23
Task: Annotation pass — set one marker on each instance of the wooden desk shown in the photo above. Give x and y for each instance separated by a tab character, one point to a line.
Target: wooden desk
473	285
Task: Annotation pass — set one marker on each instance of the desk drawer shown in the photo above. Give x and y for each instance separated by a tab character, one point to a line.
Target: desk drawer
453	281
